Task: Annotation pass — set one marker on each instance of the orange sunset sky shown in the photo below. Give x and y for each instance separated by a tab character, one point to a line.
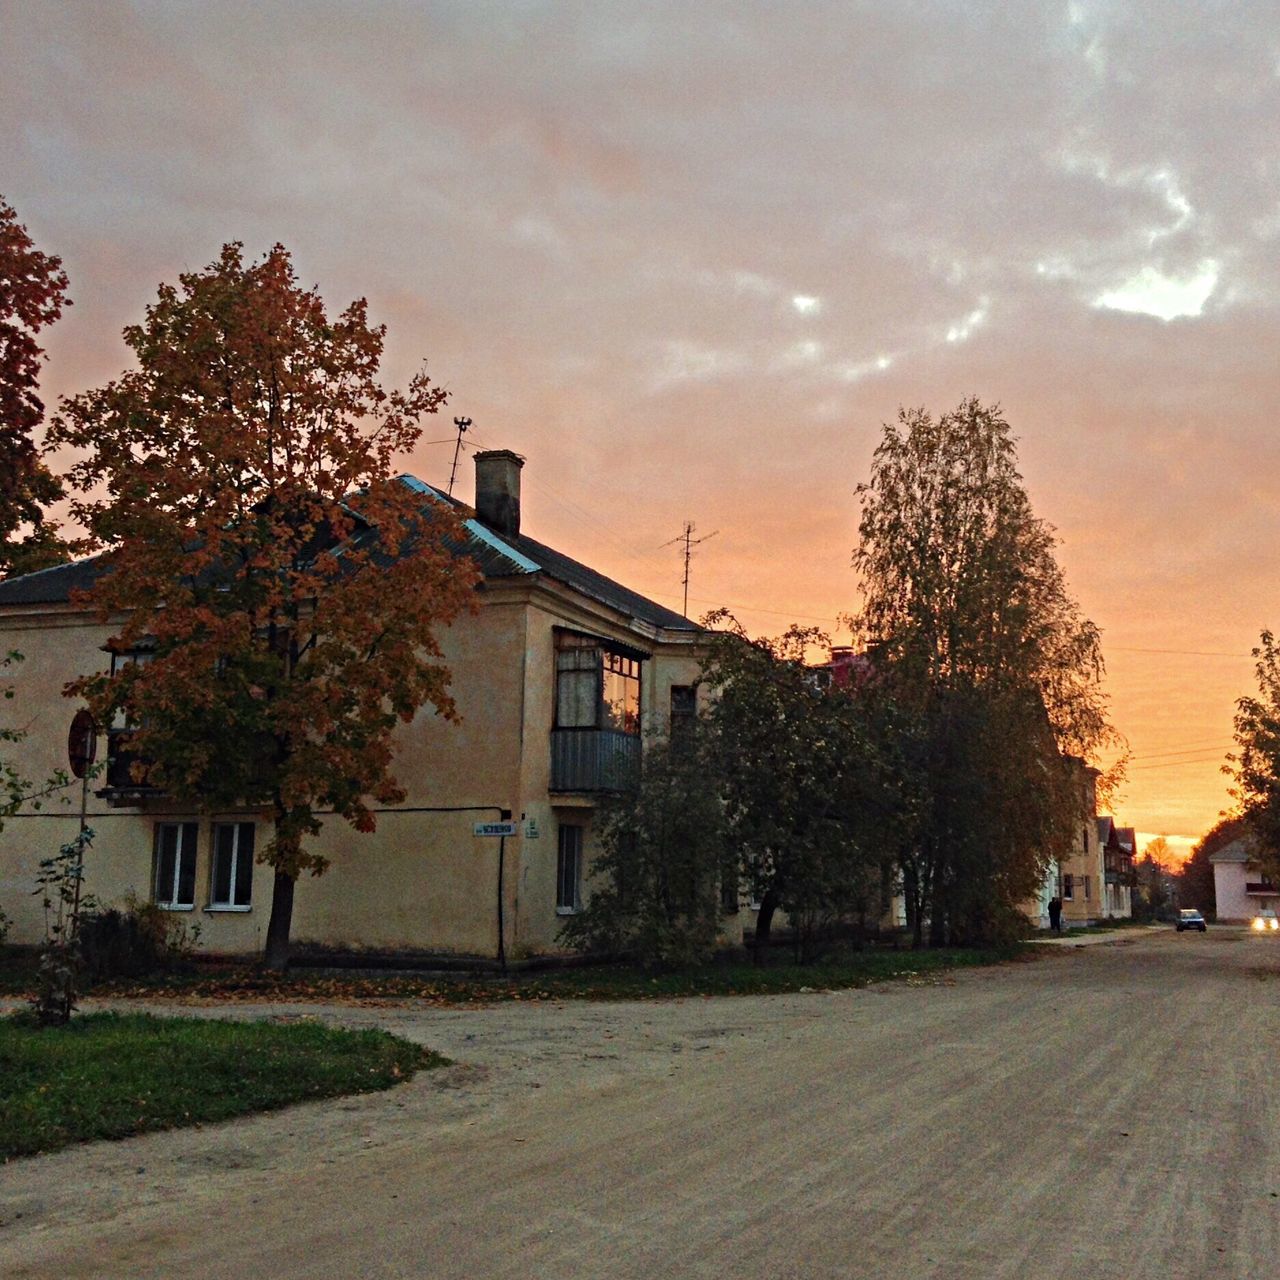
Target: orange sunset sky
688	258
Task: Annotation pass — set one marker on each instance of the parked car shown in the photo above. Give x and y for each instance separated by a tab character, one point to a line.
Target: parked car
1265	921
1190	918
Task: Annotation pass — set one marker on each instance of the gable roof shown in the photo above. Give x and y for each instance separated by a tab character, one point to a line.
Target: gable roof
1236	851
496	555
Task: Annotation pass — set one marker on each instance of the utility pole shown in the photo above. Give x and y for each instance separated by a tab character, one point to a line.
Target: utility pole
462	424
689	543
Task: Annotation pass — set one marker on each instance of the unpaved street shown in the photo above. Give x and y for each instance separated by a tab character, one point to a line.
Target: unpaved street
1109	1112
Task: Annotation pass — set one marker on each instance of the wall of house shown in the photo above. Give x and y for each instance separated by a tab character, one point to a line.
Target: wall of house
1085	864
1235	906
423	881
1085	860
536	923
55	647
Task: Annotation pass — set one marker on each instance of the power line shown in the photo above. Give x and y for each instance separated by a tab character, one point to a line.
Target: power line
1189	653
1217	758
1188	751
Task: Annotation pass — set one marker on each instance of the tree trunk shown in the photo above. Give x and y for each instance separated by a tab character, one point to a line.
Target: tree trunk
937	925
276	957
764	922
915	906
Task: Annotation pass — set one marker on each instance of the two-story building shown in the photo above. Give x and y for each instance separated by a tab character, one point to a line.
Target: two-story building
1078	879
1119	846
557	676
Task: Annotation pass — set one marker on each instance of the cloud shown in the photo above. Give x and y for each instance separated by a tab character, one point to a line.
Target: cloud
688	258
1150	292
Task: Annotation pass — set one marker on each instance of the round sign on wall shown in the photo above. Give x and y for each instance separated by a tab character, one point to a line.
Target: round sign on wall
82	742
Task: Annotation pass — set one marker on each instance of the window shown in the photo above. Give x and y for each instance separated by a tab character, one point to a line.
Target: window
232	882
621	693
1086	886
569	871
1068	887
596	687
175	865
684	711
121	758
1085	840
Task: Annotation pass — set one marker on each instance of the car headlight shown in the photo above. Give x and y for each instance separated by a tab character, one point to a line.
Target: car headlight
1273	924
1259	924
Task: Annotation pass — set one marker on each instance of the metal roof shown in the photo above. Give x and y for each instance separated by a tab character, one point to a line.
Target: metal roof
50	586
497	555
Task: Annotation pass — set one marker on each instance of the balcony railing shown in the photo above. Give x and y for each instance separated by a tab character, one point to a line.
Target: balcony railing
593	760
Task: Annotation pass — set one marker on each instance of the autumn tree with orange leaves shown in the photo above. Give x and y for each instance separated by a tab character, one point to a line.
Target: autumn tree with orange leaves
256	543
33	291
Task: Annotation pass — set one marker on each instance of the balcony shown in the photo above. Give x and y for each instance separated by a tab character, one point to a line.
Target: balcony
121	785
593	760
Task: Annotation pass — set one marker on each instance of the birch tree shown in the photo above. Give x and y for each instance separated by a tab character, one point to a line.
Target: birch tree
992	674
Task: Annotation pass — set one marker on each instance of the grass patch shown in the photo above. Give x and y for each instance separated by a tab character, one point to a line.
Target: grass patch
856	969
109	1075
223	983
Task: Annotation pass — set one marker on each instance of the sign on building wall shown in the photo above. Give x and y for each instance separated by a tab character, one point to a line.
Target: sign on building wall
496	828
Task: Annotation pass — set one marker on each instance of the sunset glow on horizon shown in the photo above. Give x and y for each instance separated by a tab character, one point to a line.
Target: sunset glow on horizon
687	260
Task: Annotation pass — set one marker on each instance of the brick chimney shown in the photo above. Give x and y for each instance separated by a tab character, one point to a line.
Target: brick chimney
498	490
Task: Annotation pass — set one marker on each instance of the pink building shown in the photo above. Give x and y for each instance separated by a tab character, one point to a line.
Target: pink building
1241	888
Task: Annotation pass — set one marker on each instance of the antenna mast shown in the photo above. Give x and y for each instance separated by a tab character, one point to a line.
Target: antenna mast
689	542
462	424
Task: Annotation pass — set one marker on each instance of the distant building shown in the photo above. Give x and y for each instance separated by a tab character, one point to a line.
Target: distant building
1119	848
1239	885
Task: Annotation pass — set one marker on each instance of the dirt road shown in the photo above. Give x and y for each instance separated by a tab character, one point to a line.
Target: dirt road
1111	1112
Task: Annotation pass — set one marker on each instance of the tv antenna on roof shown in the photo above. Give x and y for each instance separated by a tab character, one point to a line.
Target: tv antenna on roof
689	543
462	424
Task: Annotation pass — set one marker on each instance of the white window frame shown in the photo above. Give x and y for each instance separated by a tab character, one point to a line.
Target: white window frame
566	844
185	847
238	852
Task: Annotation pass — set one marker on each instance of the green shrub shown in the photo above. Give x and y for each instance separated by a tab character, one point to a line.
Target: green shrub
137	940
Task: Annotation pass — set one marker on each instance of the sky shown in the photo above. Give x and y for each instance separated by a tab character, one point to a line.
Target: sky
688	259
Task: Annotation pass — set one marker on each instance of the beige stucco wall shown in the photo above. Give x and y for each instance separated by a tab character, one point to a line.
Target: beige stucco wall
1085	863
423	881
